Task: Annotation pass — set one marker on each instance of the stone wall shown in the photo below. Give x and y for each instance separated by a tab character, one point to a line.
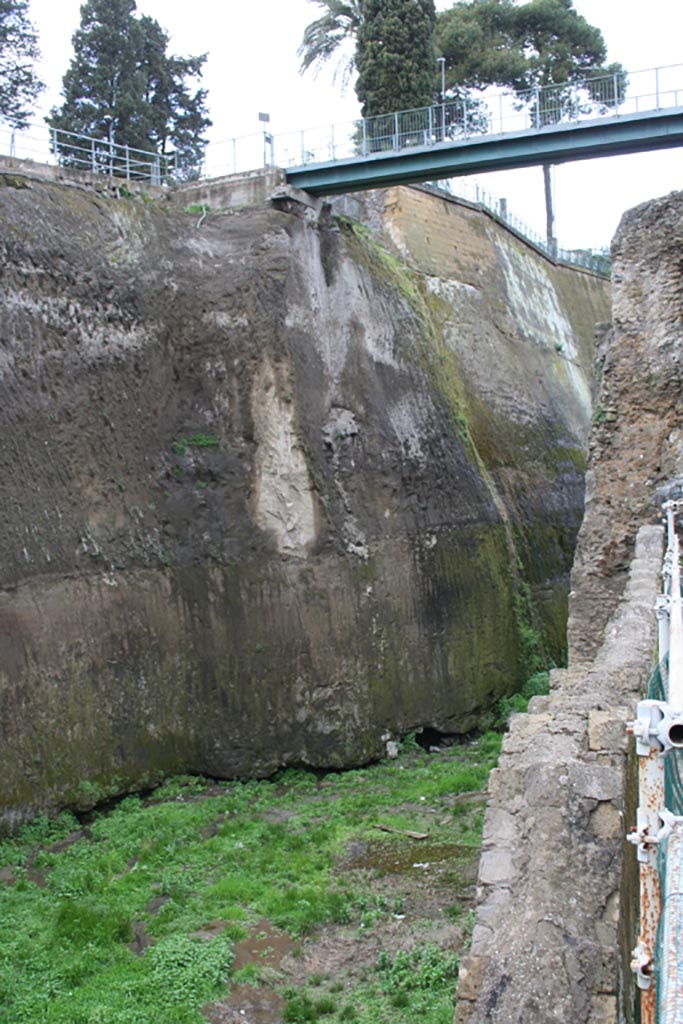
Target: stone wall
557	918
546	943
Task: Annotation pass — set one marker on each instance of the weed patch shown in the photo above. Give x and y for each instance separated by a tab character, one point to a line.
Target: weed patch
200	868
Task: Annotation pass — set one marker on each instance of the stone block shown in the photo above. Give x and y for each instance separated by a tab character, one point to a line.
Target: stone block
596	782
496	866
605	822
471	977
463	1013
607	729
604	1010
499	825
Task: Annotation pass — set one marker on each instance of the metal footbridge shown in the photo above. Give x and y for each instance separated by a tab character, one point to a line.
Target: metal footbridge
608	115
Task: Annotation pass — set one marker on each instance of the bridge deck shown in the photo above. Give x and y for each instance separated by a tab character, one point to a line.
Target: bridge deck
561	143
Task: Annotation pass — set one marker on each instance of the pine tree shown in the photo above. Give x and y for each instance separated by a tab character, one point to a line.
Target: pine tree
19	84
123	87
395	55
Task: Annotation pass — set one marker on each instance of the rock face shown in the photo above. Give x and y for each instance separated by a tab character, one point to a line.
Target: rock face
272	491
637	443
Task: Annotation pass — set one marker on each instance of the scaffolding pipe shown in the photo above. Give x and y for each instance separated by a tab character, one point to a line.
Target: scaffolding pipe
676	634
671	983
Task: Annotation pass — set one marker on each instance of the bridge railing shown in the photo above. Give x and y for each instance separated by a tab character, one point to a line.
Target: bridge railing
483	114
658	833
461	118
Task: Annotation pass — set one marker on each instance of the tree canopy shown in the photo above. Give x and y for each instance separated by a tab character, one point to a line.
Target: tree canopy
19	83
484	42
395	55
122	85
539	43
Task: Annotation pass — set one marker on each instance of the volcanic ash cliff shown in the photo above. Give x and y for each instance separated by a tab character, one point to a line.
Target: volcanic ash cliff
273	492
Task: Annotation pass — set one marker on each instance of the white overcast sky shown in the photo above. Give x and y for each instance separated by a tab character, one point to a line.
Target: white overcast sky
252	66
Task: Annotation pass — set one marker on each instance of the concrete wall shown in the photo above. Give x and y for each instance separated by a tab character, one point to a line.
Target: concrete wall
232	191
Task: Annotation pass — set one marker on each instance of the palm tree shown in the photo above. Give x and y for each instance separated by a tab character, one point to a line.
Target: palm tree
325	37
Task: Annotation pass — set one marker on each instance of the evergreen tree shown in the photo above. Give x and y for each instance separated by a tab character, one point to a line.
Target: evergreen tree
525	48
395	55
19	84
539	43
122	86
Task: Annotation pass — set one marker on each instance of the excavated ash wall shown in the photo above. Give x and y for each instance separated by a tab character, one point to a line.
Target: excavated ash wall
558	883
272	493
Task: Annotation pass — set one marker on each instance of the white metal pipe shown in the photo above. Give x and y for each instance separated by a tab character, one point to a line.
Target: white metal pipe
676	635
662	615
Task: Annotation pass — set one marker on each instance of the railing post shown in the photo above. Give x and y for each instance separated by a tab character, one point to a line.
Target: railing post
538	108
364	143
396	139
657	88
127	163
92	156
465	129
616	94
662	616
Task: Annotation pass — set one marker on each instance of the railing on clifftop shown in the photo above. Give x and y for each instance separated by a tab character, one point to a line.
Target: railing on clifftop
658	834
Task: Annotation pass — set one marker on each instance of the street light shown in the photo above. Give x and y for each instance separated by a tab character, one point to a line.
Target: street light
267	139
442	62
108	118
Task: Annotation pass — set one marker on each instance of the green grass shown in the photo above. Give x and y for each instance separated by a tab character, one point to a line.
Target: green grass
536	685
194	441
234	853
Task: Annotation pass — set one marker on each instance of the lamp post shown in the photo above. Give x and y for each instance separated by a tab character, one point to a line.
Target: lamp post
442	62
267	139
110	124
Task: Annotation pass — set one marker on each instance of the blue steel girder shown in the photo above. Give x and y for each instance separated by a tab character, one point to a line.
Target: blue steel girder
554	144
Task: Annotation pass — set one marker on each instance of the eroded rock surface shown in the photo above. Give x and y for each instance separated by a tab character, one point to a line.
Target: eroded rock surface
270	491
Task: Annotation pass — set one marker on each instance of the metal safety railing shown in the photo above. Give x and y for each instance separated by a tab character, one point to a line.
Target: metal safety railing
598	261
47	145
485	113
658	833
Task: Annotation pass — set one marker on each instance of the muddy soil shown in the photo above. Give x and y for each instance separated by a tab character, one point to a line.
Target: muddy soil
429	888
